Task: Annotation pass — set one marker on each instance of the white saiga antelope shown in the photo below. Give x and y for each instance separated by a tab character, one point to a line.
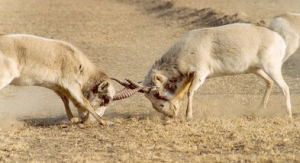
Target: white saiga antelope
211	52
288	26
28	60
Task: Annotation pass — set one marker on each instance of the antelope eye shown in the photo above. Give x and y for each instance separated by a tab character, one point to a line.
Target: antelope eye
171	87
106	99
95	90
156	95
101	95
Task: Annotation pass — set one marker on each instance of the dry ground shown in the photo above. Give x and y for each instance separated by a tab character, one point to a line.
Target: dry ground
125	37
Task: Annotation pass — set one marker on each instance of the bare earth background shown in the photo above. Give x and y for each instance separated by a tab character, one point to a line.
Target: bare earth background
125	37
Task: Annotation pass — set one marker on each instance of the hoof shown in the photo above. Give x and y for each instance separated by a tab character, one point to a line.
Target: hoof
169	120
290	119
84	116
75	120
109	123
189	118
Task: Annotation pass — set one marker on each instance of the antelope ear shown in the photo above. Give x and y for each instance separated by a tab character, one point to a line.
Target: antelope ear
103	86
158	79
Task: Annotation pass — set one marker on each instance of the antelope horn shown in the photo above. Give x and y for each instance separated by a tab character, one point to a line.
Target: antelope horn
143	89
132	85
127	85
138	85
125	93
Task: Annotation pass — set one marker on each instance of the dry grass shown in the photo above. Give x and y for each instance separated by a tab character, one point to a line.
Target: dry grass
248	138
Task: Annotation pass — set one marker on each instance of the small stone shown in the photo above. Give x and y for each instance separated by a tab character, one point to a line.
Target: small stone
81	125
63	126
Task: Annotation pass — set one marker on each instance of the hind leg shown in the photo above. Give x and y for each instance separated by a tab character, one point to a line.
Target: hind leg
275	74
5	81
8	71
269	85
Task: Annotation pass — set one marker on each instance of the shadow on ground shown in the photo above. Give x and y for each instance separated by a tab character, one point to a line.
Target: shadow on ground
192	18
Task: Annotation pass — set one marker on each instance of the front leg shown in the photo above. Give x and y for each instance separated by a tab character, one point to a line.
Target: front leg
81	102
67	108
175	103
198	79
84	115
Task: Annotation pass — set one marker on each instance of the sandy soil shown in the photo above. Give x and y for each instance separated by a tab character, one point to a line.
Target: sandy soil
125	37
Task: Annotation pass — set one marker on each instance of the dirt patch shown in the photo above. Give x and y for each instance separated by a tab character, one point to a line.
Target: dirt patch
192	18
249	139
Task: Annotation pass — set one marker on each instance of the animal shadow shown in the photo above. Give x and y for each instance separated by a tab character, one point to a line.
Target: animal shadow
45	122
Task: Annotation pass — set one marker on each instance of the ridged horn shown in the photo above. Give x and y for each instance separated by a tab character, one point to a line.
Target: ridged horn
125	93
133	85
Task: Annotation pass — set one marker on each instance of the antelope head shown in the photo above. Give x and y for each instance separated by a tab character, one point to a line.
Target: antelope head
158	92
104	93
101	96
